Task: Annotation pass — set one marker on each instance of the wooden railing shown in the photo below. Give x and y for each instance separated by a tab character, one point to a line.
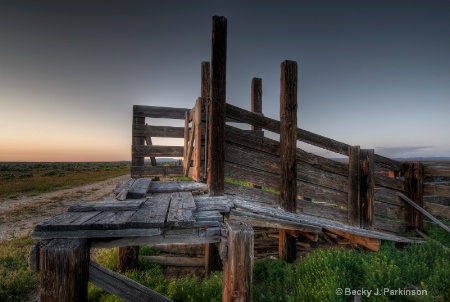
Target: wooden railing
142	146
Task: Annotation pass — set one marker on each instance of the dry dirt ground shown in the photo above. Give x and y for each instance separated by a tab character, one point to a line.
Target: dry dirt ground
19	216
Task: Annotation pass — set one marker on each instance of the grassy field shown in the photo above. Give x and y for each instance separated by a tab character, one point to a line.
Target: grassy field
17	179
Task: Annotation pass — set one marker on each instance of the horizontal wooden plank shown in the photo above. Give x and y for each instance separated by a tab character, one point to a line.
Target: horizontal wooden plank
322	210
387	163
388	210
122	286
322	163
252	158
156	151
388	182
442	170
437	209
271	222
388	225
139	188
175	260
207	216
101	234
67	221
436	199
108	220
177	186
127	205
197	236
274	126
309	174
261	178
157	131
434	189
387	196
159	112
319	193
137	171
241	137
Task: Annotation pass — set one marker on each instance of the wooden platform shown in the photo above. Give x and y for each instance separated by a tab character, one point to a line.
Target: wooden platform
168	213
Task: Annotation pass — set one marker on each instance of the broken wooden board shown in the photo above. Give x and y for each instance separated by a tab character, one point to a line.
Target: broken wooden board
177	186
128	205
320	222
152	213
139	188
373	244
123	233
125	185
180	211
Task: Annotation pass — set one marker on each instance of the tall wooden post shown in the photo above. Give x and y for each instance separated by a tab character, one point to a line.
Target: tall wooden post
216	131
288	153
414	190
64	270
354	179
256	98
367	189
238	265
128	255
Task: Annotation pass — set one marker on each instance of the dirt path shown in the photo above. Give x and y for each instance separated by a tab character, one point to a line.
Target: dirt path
19	216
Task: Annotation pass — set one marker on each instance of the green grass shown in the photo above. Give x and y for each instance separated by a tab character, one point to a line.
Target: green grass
34	178
16	281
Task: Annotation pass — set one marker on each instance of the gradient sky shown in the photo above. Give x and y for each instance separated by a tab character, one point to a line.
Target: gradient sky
371	73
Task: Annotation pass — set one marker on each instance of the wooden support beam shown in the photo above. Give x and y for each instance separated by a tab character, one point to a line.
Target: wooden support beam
367	189
373	244
205	80
238	263
288	153
354	179
137	160
413	190
121	286
128	258
216	131
197	124
256	96
64	270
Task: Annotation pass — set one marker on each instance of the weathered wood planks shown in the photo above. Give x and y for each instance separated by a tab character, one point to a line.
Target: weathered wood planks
177	186
128	205
180	212
163	171
157	151
139	188
157	131
152	214
159	112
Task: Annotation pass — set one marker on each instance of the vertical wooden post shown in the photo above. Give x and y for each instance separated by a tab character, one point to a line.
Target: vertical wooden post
128	258
367	187
137	141
216	131
288	153
256	98
414	190
129	262
238	265
205	80
354	178
205	94
64	270
186	143
197	122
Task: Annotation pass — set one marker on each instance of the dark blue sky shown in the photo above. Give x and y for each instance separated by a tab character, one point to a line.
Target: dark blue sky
371	73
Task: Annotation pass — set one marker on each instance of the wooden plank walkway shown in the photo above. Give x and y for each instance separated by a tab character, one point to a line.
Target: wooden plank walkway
167	209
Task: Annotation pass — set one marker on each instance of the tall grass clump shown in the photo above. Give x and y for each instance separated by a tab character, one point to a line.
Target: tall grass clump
16	281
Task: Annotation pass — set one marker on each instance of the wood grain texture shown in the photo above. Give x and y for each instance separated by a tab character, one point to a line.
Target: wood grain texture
256	98
159	112
157	131
163	171
157	151
64	271
238	265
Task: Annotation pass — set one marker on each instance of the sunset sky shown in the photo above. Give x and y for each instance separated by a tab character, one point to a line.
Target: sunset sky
371	73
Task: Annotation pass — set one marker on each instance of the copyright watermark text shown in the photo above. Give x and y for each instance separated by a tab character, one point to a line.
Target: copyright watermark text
380	292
